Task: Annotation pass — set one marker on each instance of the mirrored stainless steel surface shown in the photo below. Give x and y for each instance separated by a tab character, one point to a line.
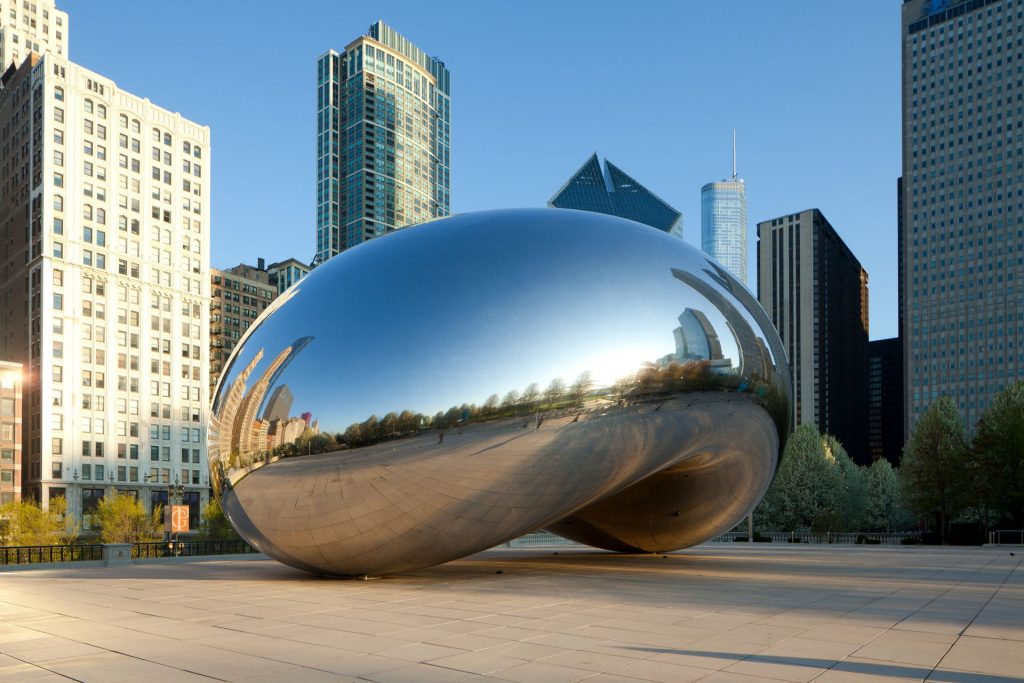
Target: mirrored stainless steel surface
442	389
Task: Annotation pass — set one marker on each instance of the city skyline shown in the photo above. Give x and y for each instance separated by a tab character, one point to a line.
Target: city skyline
850	129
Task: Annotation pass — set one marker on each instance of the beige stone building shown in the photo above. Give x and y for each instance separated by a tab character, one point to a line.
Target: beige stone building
10	431
104	286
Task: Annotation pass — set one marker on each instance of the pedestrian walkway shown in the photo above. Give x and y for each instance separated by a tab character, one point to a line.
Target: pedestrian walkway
717	613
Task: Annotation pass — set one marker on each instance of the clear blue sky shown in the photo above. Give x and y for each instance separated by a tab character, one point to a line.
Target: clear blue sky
811	87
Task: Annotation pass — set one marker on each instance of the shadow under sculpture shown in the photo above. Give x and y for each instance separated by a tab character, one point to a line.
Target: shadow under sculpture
445	388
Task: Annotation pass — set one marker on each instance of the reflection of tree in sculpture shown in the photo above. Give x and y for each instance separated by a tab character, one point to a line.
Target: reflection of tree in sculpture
670	456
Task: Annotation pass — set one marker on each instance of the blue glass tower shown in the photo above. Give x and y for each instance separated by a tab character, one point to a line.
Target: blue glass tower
723	225
382	140
613	192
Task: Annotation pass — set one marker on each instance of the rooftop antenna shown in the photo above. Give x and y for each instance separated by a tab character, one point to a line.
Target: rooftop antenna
734	154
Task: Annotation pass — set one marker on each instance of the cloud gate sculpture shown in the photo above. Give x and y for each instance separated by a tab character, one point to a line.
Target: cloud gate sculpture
450	386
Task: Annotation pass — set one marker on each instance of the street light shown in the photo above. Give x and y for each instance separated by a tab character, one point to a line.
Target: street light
175	491
76	497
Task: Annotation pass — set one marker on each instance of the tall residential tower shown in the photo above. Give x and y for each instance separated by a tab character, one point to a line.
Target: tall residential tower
962	223
723	221
816	293
382	140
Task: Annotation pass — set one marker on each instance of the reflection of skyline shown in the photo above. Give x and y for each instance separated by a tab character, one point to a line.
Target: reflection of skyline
279	404
752	359
696	338
238	438
551	316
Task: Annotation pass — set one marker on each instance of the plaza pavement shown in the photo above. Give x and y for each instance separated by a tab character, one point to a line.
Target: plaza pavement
719	612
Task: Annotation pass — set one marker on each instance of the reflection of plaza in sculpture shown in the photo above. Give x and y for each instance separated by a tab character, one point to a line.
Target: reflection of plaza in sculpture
487	405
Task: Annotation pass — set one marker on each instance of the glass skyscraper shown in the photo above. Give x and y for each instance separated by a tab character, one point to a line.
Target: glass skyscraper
613	192
383	111
723	224
962	222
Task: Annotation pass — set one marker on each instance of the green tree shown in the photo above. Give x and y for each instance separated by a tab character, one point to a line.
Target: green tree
997	456
932	472
123	519
216	524
884	503
808	490
849	514
23	522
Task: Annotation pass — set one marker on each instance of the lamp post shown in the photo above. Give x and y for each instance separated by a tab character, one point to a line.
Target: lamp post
175	492
76	500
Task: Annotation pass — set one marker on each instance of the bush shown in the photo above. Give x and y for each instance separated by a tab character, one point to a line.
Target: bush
217	526
23	522
123	519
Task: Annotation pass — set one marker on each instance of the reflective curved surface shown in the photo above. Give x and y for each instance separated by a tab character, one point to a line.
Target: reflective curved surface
450	386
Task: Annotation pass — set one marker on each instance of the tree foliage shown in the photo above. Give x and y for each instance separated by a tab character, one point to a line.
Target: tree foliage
883	509
997	457
23	522
123	519
933	470
216	524
817	487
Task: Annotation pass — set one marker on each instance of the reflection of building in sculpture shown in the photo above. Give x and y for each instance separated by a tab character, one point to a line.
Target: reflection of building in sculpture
241	439
697	340
285	432
279	404
222	423
753	360
275	415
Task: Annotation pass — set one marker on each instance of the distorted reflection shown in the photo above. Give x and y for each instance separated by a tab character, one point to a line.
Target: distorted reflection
611	385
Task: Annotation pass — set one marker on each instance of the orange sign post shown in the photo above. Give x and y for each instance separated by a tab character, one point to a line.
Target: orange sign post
176	519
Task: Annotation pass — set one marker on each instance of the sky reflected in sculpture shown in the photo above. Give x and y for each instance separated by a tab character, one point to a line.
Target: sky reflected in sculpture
476	328
442	389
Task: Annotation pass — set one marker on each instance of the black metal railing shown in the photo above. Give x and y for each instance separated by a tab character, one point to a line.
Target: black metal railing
34	554
190	548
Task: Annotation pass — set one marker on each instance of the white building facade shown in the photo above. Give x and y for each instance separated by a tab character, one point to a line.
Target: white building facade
105	217
31	26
